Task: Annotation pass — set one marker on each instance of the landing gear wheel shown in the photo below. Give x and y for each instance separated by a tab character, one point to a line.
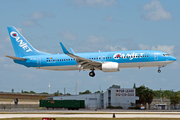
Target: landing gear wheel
92	74
159	71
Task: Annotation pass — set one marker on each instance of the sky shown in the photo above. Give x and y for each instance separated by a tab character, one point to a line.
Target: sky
90	26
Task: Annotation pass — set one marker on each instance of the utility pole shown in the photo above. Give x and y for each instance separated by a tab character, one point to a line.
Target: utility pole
76	87
161	95
49	88
64	91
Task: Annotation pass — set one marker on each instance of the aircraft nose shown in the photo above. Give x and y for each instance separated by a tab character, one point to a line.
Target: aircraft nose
171	58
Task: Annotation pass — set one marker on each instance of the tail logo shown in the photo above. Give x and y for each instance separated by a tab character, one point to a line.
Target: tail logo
21	43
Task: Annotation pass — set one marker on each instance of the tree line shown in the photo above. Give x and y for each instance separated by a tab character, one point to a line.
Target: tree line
147	95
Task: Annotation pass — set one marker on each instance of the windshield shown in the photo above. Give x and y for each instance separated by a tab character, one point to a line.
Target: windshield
165	54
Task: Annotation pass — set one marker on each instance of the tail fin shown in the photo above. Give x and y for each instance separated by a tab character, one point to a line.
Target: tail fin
21	46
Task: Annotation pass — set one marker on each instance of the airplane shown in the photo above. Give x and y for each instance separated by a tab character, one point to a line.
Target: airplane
111	61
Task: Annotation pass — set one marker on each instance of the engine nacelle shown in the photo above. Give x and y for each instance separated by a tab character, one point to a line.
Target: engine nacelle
110	67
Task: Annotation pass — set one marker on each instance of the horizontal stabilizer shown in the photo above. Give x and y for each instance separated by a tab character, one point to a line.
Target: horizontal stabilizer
15	58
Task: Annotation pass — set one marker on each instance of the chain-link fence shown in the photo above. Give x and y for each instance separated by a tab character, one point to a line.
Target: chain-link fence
19	106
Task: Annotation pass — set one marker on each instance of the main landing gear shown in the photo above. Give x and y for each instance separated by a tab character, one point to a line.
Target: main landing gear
159	71
92	74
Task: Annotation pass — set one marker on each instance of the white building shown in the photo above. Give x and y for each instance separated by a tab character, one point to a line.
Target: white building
114	96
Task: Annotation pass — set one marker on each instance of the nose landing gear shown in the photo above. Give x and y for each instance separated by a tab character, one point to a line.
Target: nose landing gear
92	74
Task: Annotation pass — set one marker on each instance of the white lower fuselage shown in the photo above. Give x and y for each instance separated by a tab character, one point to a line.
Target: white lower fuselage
121	65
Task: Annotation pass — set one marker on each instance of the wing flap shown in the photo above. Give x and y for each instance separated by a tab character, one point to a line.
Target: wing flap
82	61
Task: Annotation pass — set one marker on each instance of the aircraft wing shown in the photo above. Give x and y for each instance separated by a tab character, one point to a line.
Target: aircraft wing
85	63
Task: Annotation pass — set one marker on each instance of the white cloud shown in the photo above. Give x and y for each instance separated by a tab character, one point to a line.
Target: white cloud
40	15
117	48
93	44
19	29
95	39
1	46
29	76
29	23
7	39
144	47
67	35
96	3
156	12
2	59
110	18
11	65
164	48
35	16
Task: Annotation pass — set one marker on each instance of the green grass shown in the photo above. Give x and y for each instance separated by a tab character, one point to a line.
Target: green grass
52	112
94	119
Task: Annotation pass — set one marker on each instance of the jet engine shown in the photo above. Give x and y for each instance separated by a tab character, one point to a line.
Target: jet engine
110	67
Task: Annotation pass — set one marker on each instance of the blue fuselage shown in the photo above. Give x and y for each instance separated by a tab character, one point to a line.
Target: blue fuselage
136	58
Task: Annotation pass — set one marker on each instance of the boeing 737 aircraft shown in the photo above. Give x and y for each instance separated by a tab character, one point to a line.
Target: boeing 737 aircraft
112	61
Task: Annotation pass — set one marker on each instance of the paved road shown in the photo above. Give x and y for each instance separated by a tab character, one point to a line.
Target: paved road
20	113
85	111
90	115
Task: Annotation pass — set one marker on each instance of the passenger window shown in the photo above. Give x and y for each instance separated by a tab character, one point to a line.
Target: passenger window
147	56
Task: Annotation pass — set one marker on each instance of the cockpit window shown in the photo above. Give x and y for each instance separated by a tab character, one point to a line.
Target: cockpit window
165	54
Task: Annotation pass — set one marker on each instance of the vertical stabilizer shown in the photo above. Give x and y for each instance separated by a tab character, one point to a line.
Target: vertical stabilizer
21	46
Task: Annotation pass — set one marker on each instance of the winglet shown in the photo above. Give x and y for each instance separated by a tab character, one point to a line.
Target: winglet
72	51
64	49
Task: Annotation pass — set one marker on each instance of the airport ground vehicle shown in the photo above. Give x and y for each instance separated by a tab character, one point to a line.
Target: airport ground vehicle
69	104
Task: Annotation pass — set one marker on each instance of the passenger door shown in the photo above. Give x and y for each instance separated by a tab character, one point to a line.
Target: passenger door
155	56
39	61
